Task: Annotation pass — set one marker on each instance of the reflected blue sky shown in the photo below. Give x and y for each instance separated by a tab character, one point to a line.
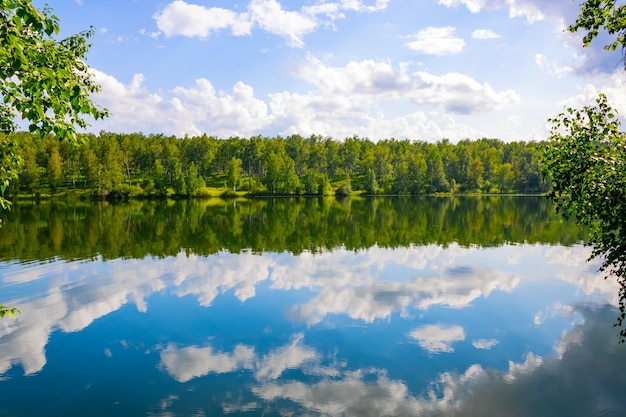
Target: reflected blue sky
421	330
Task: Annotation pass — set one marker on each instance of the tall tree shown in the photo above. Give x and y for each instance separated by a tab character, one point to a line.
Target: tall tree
234	173
55	169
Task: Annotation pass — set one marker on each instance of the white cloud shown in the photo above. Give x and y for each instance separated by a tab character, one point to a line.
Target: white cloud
181	18
346	102
612	85
193	110
556	309
485	344
357	5
484	34
518	370
128	103
529	9
191	20
238	112
437	338
437	41
369	80
550	67
270	16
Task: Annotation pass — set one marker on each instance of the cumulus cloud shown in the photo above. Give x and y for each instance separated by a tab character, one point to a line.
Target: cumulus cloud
437	41
193	110
238	112
484	34
192	20
182	18
345	101
555	310
352	395
484	344
368	79
129	102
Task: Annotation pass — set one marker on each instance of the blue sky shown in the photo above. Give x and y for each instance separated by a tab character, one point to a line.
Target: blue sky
417	69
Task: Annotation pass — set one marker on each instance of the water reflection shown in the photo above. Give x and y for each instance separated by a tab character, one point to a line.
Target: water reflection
370	285
585	379
410	330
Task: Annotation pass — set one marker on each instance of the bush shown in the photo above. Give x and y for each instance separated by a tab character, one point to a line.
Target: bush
344	189
203	192
229	194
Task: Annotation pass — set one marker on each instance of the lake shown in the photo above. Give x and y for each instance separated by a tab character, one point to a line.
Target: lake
476	306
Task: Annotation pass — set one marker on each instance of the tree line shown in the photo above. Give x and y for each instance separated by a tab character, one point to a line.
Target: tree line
127	165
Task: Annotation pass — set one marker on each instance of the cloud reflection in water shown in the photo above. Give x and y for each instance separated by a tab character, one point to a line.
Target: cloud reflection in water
366	286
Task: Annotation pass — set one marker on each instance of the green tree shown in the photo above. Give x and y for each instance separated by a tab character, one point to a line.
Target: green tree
29	170
371	185
193	181
55	169
586	158
234	173
43	80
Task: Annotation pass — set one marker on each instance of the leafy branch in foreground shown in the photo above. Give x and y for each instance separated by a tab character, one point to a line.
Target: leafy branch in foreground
586	158
597	15
44	81
7	311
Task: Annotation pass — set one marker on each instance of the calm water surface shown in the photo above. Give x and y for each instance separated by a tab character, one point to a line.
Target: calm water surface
309	307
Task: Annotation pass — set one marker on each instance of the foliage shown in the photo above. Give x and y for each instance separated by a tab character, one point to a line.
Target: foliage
108	162
596	15
345	188
234	173
8	311
586	158
42	79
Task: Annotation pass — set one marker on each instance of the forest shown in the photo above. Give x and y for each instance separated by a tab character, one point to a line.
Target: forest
121	166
